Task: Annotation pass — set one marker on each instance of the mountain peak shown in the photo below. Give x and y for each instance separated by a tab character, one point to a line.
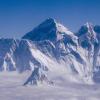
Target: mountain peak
47	30
50	20
48	23
86	29
88	24
59	27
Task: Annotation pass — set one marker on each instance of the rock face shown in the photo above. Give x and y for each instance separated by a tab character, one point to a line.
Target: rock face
37	76
7	48
89	40
49	30
54	49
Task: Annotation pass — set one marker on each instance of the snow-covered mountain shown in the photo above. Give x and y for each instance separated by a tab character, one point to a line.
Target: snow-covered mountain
89	40
49	30
7	48
61	54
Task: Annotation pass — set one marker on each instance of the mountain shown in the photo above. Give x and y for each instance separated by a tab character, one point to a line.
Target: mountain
89	40
58	52
7	48
49	30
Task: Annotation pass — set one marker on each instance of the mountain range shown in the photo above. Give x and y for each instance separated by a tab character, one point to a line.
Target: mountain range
58	52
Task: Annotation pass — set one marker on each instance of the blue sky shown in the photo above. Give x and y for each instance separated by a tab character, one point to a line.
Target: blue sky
18	17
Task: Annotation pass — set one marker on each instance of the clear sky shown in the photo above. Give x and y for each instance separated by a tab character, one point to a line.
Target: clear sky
18	17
